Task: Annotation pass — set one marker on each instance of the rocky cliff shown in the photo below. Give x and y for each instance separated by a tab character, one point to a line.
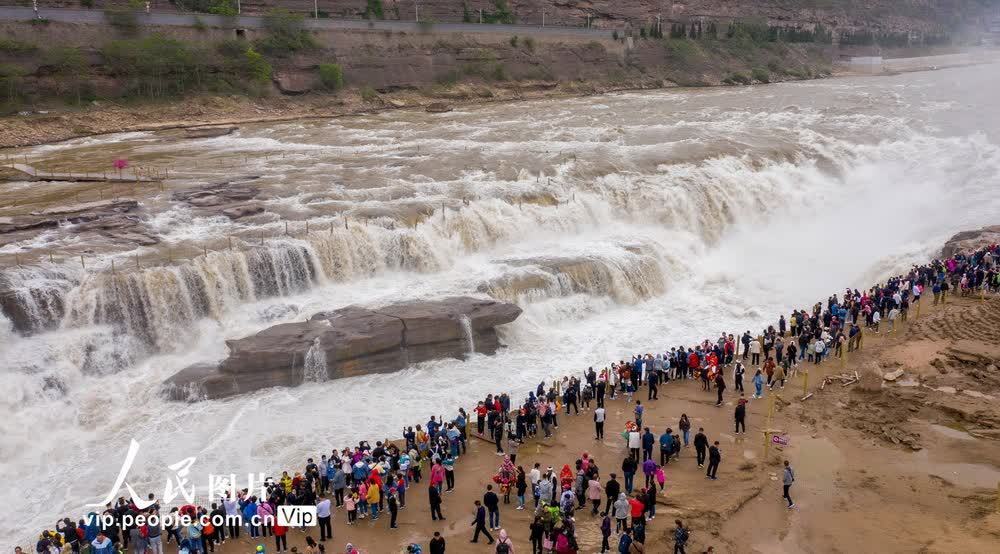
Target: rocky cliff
348	342
968	241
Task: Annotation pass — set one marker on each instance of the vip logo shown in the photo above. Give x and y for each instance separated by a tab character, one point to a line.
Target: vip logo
297	516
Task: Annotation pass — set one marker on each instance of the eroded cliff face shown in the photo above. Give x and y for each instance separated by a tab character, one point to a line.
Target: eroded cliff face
891	15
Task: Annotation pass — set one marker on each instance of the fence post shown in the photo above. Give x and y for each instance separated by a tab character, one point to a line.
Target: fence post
82	263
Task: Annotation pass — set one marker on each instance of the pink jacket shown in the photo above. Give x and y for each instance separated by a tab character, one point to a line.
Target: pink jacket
594	490
437	474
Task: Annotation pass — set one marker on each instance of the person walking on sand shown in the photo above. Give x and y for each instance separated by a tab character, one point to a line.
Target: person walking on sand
479	522
720	386
741	415
788	477
758	384
599	415
700	446
714	458
681	535
434	495
738	372
685	426
504	544
492	503
755	352
612	489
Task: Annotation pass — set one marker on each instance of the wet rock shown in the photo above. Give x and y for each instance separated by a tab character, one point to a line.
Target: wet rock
893	375
294	83
354	340
438	107
245	210
209	131
225	195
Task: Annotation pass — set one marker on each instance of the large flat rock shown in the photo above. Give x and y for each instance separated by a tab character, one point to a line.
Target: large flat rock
348	342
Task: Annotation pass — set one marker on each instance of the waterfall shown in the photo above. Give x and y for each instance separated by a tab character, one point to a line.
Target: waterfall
315	370
470	340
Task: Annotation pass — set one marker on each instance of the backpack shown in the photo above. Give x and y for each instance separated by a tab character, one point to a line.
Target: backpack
503	548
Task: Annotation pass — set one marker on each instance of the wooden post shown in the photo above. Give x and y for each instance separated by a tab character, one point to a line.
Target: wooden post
331	228
262	238
230	242
307	227
17	260
345	222
805	382
204	250
137	264
113	266
286	228
51	260
443	216
767	429
82	263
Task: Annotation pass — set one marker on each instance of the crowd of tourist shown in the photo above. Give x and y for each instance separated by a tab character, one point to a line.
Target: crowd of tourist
374	482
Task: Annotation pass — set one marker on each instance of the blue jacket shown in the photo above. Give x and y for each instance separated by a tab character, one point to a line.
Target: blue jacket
666	441
648	439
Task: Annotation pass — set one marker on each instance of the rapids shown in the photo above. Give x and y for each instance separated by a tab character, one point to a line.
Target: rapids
620	223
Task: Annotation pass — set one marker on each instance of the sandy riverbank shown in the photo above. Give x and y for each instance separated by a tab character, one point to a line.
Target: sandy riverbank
911	465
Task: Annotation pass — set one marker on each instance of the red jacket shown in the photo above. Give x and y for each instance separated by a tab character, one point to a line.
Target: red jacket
637	507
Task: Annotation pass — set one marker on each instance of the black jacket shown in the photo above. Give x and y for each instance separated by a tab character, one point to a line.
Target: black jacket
700	441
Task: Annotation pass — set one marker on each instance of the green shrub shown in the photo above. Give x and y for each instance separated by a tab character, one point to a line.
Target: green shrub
153	66
501	13
87	3
16	47
529	44
513	41
499	72
331	75
200	25
374	10
614	34
72	67
286	34
760	75
257	67
40	22
10	80
368	94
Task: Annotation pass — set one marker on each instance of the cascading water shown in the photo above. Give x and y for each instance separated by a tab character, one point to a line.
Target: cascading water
314	369
470	339
619	223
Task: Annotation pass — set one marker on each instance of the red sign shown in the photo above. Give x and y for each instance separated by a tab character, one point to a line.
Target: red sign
778	439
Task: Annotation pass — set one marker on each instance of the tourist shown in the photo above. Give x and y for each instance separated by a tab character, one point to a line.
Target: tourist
648	440
393	504
605	532
741	414
492	503
720	386
681	533
666	446
629	468
438	544
536	534
788	477
758	384
701	446
612	489
622	509
521	486
714	458
685	426
479	522
323	517
434	497
634	442
599	422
